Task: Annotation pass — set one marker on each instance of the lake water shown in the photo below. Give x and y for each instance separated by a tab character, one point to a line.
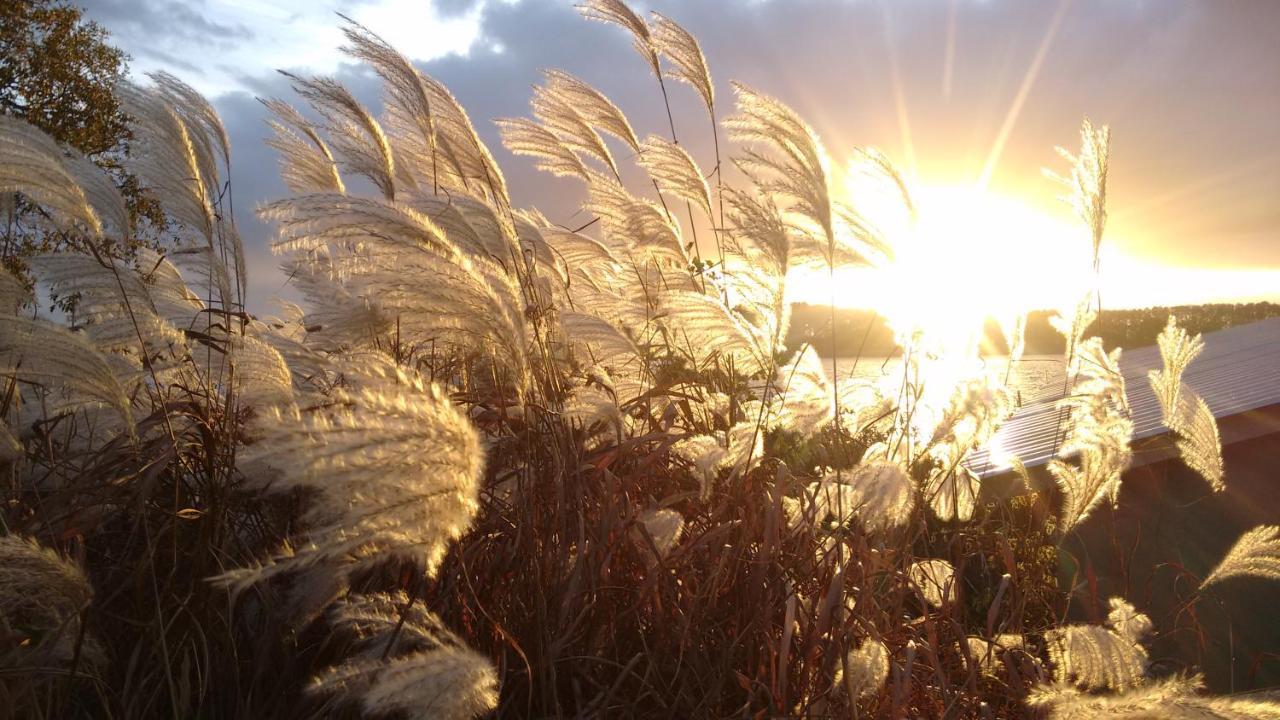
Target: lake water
1034	377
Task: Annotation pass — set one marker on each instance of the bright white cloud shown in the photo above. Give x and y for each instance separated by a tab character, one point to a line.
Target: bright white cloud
228	41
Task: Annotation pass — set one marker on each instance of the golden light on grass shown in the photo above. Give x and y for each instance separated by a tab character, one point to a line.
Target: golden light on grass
479	406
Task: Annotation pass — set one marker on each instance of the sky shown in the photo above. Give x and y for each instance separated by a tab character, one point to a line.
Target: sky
957	92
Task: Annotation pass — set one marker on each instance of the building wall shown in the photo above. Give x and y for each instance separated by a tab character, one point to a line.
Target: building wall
1169	531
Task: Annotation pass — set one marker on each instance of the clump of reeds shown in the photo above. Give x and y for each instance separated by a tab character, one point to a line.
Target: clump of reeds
497	465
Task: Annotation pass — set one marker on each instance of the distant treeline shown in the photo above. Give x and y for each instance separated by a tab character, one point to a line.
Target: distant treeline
865	332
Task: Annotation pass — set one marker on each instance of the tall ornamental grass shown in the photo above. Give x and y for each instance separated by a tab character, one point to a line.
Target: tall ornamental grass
497	466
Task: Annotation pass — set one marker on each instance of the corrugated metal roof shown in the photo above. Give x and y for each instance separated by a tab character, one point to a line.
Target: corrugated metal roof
1239	370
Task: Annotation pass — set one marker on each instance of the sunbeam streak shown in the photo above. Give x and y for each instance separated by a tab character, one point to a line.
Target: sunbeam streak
1028	80
899	94
949	54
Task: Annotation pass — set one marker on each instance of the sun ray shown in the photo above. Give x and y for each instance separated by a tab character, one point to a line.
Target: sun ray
1028	80
899	94
949	54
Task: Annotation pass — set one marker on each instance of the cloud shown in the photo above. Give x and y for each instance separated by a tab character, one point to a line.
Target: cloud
156	19
1187	86
455	8
220	42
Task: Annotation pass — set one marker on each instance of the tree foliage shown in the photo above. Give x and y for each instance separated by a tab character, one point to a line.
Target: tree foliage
58	72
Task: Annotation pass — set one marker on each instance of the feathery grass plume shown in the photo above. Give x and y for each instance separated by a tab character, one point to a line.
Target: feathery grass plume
430	673
664	527
879	494
306	164
757	290
884	495
170	294
525	137
675	172
987	652
627	301
702	328
1087	183
41	597
176	130
581	255
1073	328
557	114
866	668
309	222
1199	442
936	580
605	340
31	164
468	224
801	177
449	683
974	412
953	494
405	271
1099	434
616	12
1255	554
339	317
706	454
231	247
429	128
806	401
195	110
689	65
100	190
531	243
114	305
380	497
591	406
471	304
1097	393
1126	620
374	626
592	105
301	351
1183	411
169	161
712	454
882	208
1174	698
1096	657
38	352
206	272
355	136
262	378
1177	350
630	224
1015	335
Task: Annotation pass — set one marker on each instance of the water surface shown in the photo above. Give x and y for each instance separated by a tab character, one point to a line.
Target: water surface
1034	377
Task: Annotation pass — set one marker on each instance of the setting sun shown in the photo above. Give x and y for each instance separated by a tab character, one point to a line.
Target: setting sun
966	258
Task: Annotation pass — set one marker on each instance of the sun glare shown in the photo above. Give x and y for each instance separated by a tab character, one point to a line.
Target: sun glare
970	255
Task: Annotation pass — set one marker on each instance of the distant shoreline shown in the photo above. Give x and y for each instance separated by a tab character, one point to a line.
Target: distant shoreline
864	332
